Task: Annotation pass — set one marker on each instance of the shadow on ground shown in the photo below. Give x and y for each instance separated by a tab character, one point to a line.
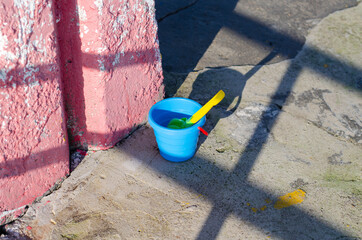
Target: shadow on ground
197	27
195	34
230	193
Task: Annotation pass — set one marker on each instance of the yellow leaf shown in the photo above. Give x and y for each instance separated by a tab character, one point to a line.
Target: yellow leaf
290	199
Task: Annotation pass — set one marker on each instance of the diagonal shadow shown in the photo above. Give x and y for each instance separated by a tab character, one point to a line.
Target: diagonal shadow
229	192
206	85
219	212
202	23
246	162
321	57
17	75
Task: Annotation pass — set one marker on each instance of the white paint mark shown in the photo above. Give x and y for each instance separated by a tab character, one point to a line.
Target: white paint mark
102	49
27	103
99	5
3	43
50	17
86	29
26	15
4	213
27	5
3	74
52	67
33	84
158	57
7	55
86	50
81	13
3	125
40	9
119	21
116	59
124	34
101	65
29	73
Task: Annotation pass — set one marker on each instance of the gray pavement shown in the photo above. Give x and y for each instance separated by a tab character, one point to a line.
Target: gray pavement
195	34
287	126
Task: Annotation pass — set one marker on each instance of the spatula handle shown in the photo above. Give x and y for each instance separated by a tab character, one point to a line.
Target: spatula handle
206	108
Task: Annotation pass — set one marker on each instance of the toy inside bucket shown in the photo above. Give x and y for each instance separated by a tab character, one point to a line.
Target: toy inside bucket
175	145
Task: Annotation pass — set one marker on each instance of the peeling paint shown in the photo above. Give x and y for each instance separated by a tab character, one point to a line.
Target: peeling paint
81	13
118	58
86	29
99	5
101	65
29	88
3	44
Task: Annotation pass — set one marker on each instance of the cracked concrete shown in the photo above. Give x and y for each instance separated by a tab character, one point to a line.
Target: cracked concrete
167	8
291	125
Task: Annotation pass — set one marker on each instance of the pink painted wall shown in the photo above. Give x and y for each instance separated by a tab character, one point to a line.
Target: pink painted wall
111	67
90	67
33	141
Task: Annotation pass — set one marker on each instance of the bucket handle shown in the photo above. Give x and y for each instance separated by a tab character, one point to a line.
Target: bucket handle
203	131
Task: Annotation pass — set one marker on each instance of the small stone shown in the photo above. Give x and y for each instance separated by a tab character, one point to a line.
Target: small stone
220	150
298	183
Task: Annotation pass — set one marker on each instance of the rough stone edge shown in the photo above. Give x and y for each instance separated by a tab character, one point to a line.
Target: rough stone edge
11	215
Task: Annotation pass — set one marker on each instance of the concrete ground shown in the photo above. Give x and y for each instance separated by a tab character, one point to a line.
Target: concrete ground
195	34
295	125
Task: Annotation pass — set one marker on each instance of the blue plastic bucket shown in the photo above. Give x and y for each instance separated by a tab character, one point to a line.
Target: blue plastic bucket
175	145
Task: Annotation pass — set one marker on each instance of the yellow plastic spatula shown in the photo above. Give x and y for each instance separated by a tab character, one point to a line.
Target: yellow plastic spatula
178	123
